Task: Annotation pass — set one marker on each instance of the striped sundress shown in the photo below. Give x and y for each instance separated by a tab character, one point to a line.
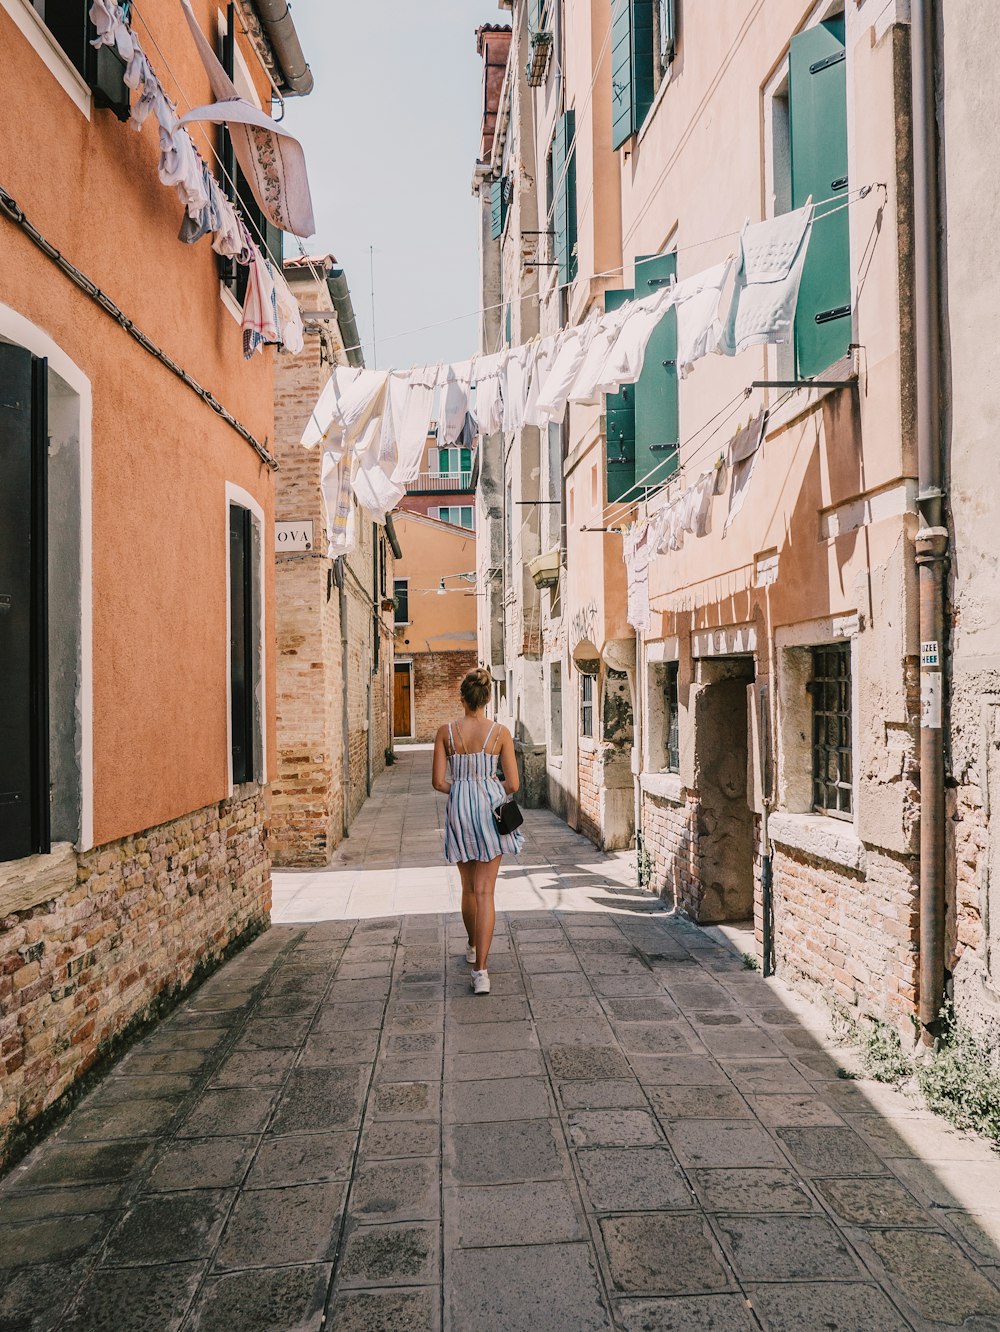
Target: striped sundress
470	831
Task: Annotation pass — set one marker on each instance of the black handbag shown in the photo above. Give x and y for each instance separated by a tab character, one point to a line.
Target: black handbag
508	816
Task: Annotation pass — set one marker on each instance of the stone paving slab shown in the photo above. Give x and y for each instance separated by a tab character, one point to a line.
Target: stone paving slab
631	1132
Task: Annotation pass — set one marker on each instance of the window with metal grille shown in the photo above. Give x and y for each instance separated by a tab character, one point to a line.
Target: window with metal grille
833	768
587	705
671	722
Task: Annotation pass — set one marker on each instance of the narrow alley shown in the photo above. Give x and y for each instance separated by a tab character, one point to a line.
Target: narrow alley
633	1131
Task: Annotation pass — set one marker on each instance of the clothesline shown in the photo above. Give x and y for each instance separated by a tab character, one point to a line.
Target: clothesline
860	192
373	425
270	313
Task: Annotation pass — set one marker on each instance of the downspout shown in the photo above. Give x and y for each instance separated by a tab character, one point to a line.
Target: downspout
277	22
340	295
932	537
345	720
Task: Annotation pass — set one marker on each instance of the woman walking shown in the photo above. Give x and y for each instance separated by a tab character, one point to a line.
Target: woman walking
465	769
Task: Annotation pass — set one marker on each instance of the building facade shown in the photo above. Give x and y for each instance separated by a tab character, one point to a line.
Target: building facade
761	733
333	616
435	596
136	542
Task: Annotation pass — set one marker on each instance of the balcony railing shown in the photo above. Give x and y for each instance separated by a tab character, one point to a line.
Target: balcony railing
438	483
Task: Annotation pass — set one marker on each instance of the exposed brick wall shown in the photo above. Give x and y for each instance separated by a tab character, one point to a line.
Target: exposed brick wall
670	836
145	914
588	784
437	677
851	935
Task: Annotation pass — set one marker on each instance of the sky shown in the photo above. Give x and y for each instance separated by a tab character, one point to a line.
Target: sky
391	135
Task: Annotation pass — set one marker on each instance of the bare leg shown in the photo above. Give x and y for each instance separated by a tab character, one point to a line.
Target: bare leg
486	878
467	873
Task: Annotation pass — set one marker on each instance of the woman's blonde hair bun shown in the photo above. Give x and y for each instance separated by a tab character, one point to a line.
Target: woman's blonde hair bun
476	688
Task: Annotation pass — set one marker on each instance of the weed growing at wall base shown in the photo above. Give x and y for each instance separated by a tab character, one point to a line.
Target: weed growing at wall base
961	1080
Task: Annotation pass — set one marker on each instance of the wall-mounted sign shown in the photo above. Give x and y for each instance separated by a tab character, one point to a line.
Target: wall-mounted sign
296	535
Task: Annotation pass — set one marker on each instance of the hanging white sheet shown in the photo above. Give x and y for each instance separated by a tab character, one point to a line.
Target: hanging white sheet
636	551
772	256
742	454
699	328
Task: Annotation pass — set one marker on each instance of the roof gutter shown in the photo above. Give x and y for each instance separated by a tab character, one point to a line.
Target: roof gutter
340	294
390	531
276	20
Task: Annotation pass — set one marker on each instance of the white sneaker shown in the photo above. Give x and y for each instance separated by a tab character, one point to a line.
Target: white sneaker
481	982
470	955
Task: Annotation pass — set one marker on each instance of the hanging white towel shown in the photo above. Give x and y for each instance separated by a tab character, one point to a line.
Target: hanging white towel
415	423
289	316
489	394
742	455
517	378
635	543
772	255
699	510
554	395
545	350
454	401
586	384
699	327
335	485
623	364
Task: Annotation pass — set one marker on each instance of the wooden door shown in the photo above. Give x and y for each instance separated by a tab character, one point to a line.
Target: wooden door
401	713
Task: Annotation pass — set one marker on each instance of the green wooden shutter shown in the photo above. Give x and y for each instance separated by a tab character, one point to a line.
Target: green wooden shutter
496	209
656	416
465	461
619	413
818	128
643	57
621	72
564	184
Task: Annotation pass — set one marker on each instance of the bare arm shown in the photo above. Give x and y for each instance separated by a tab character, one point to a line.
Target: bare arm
511	782
439	772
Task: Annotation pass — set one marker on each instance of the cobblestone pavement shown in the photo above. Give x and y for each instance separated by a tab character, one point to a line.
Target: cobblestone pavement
631	1132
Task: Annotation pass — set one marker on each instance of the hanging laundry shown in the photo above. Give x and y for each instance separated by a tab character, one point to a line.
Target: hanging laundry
351	399
623	364
489	394
112	28
289	316
635	544
455	387
771	258
517	381
415	423
699	509
335	486
554	395
228	240
260	316
699	328
586	384
271	159
545	350
373	489
742	455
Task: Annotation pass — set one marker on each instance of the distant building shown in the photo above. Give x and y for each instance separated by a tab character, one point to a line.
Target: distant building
333	617
436	594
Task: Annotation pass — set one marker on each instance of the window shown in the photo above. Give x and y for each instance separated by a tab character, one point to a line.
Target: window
381	567
817	135
563	184
500	196
243	641
24	643
455	462
401	593
587	704
461	515
619	419
657	418
671	719
555	709
643	42
103	68
832	767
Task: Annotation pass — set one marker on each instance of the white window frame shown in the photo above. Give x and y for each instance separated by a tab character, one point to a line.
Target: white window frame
32	27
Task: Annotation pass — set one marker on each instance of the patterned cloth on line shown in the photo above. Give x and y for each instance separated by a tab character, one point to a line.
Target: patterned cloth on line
470	831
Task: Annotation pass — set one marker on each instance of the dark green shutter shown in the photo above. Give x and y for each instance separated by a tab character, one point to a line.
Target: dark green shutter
818	127
564	184
621	72
643	57
656	418
465	461
496	209
619	413
24	671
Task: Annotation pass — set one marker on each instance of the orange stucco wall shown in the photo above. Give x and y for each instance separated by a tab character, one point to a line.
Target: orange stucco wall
161	457
431	550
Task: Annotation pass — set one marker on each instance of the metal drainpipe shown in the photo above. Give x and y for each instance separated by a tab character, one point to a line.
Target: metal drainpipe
932	538
341	581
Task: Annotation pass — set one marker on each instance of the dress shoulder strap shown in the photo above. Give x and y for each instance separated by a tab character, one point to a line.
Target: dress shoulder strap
451	740
489	740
